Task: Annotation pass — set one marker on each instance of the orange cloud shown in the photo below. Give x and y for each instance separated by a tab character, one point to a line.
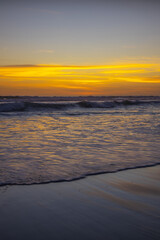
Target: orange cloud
119	79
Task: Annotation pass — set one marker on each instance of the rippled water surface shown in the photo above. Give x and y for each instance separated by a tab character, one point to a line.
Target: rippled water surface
62	144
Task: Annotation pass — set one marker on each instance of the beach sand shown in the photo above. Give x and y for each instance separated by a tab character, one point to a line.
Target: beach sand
122	205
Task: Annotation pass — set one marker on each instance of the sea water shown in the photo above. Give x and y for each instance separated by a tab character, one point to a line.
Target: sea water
45	139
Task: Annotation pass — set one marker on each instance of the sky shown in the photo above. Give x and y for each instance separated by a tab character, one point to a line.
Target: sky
65	48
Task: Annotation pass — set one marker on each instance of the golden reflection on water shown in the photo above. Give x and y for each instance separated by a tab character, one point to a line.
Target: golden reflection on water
62	145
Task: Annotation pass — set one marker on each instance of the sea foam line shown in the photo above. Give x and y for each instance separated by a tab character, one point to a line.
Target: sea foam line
80	177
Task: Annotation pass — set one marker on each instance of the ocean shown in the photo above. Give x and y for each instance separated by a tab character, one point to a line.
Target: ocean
50	139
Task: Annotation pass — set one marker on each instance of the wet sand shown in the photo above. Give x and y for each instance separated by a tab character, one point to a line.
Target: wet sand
122	205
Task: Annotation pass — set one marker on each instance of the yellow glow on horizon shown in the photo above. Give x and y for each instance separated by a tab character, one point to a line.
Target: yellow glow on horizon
105	79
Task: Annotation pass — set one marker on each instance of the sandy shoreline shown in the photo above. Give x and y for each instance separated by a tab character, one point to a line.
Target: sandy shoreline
122	205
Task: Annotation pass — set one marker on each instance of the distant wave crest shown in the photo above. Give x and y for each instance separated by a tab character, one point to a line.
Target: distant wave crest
33	106
11	107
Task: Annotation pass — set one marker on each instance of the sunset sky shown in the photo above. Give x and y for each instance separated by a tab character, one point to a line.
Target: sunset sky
63	48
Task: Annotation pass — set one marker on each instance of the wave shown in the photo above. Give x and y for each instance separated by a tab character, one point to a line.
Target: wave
33	106
82	176
11	107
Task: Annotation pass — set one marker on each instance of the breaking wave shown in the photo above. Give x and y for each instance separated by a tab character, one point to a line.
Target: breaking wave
33	106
